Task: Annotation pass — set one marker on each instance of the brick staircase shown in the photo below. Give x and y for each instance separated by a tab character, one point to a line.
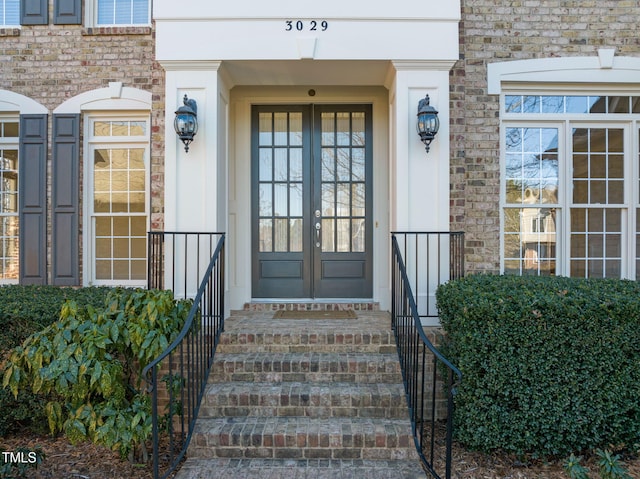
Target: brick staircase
304	398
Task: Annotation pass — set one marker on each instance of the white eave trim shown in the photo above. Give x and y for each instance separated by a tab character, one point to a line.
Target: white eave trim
604	69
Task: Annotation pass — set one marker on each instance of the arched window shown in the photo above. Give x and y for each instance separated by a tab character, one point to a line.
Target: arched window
116	155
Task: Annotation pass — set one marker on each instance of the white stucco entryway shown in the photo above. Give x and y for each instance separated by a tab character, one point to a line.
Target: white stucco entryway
334	53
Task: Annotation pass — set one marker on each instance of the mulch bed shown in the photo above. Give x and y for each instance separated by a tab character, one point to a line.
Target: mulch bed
88	461
476	465
83	461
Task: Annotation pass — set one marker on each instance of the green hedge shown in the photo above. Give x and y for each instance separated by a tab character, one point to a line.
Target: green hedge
550	365
25	310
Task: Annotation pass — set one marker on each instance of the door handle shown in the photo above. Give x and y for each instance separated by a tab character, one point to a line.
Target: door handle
318	226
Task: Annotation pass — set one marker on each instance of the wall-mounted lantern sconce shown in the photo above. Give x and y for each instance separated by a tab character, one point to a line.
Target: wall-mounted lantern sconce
428	122
186	122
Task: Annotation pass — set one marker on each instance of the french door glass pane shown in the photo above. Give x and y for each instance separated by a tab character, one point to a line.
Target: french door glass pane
280	186
343	181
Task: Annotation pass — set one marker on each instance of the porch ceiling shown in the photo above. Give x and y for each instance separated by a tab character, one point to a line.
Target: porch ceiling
307	72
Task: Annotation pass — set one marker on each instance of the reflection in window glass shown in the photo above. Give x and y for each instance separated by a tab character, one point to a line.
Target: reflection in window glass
581	141
343	183
530	241
578	104
9	224
531	171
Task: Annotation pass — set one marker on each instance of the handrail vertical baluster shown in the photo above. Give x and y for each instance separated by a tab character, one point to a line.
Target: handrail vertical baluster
414	348
190	356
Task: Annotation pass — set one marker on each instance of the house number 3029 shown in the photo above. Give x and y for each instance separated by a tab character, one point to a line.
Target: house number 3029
312	25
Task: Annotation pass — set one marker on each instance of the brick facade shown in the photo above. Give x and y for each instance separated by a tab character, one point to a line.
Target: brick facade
53	63
493	31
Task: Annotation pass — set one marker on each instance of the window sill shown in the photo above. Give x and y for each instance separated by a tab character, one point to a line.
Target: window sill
9	32
88	31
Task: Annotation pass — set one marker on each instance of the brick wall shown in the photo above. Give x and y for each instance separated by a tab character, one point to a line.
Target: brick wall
513	30
52	63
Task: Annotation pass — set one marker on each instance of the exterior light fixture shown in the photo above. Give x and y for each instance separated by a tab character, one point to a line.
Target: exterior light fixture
186	122
428	122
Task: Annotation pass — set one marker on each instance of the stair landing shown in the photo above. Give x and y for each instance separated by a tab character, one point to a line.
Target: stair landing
304	398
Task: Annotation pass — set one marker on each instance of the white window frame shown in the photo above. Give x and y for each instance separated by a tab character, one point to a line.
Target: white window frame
565	122
91	17
91	143
13	143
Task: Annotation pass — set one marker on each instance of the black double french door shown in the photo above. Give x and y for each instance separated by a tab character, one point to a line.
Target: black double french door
311	180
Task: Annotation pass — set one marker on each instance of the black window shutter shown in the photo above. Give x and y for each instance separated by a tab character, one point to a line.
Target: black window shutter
34	12
67	12
65	199
32	172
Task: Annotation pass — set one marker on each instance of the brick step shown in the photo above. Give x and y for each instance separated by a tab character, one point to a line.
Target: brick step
270	307
303	438
304	399
296	341
306	367
299	468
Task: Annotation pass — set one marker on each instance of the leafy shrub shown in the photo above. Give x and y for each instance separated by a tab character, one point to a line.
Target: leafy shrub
611	466
550	365
25	310
89	363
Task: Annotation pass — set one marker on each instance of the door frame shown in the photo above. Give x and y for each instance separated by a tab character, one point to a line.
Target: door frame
239	179
313	272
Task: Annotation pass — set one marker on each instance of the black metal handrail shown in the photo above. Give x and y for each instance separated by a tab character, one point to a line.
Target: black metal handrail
177	260
429	378
431	258
185	366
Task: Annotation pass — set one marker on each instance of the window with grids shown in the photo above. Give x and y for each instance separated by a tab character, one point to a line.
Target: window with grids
571	192
9	225
119	201
343	181
280	182
9	13
122	12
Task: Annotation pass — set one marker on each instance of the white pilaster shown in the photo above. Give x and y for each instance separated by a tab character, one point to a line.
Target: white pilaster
191	178
420	180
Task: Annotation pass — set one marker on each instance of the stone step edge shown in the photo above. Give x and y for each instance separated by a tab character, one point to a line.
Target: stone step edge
303	432
304	387
312	306
311	399
259	468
